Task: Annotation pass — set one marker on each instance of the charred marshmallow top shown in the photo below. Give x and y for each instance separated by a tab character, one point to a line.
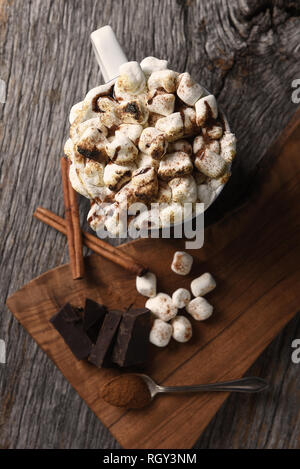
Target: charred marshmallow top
154	136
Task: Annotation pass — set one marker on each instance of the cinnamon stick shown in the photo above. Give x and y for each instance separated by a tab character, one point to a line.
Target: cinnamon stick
92	242
72	223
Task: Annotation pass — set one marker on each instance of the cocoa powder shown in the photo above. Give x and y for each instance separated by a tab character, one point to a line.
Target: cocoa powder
129	391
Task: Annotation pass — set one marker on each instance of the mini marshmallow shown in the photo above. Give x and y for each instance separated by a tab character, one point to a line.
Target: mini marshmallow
115	176
205	195
162	306
171	214
144	183
165	79
131	80
76	181
189	122
184	189
121	150
199	309
146	285
109	119
153	142
107	104
161	333
164	195
228	146
182	263
214	184
152	64
189	91
132	131
77	131
214	132
181	329
175	165
202	285
206	107
96	217
144	160
181	298
116	224
160	103
133	112
92	144
211	164
153	118
147	220
199	145
171	126
180	145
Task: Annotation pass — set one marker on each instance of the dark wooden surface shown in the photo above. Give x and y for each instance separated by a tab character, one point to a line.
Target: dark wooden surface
247	53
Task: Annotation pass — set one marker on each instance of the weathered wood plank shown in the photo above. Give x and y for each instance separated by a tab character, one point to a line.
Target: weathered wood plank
244	51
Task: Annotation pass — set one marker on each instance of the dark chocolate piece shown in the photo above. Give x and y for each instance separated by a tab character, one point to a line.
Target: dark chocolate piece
68	322
93	318
101	352
133	338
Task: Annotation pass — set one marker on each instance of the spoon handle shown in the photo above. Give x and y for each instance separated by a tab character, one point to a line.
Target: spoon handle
239	385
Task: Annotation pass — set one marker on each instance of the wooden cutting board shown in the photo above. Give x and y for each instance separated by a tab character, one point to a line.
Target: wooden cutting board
254	255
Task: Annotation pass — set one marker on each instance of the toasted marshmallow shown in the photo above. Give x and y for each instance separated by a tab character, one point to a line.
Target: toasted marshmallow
181	298
188	91
132	131
180	145
133	112
181	329
144	160
96	217
153	118
175	165
165	79
144	183
116	224
161	333
214	184
148	220
146	285
199	309
121	150
160	103
69	149
202	285
153	142
189	122
205	195
214	132
199	145
92	144
131	81
182	263
110	119
228	146
152	64
171	126
78	130
184	189
162	306
164	195
211	164
77	184
126	196
106	104
171	214
115	176
205	108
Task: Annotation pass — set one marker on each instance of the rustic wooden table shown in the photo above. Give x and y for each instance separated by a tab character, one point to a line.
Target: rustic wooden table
246	53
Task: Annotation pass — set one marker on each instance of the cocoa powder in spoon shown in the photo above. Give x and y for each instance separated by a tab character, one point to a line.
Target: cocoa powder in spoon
129	391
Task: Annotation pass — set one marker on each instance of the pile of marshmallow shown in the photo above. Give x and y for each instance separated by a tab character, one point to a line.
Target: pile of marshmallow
168	323
154	136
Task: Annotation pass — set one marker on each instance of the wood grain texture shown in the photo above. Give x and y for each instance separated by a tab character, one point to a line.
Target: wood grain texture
246	52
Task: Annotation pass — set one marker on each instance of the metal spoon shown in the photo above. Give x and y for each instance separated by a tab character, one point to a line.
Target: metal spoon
251	385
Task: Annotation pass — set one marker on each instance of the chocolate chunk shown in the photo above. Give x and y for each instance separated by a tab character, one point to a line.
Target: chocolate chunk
68	322
93	318
101	352
133	338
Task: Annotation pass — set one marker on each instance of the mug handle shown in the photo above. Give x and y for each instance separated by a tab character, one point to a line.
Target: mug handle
108	51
